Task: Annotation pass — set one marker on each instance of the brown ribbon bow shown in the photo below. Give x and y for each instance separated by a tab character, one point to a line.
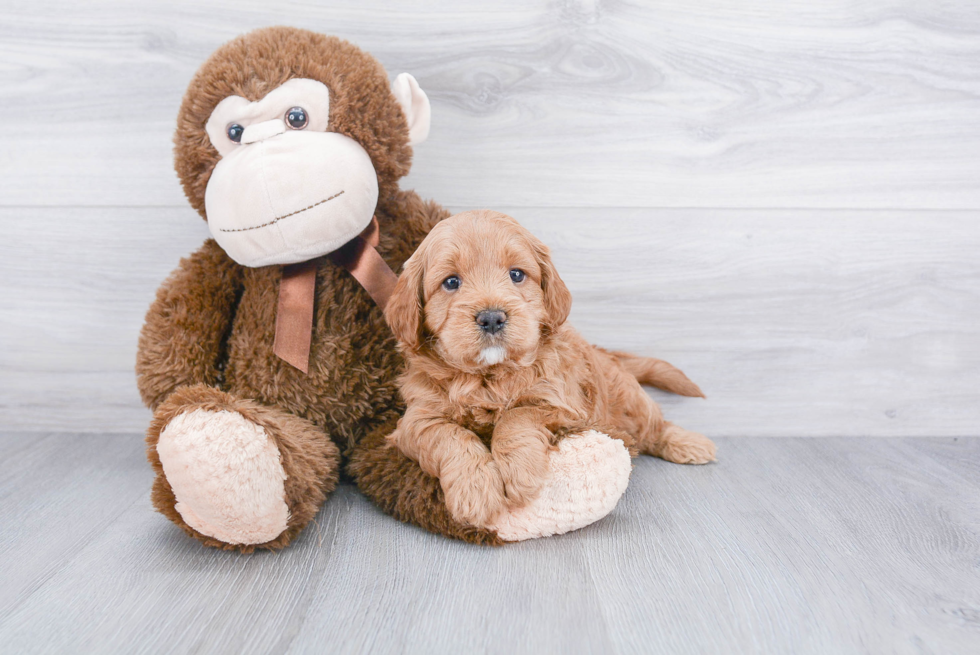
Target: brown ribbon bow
294	315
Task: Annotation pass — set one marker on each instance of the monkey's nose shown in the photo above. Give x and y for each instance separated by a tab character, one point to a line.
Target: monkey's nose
265	129
491	321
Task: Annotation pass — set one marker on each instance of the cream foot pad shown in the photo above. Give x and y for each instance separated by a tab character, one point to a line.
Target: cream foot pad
590	472
226	475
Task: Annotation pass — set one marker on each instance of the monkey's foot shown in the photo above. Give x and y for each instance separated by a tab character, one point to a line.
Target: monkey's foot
235	474
226	475
590	472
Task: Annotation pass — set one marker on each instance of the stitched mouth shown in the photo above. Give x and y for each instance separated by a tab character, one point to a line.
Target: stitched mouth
279	218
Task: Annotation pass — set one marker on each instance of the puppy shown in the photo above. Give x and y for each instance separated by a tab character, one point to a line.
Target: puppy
495	377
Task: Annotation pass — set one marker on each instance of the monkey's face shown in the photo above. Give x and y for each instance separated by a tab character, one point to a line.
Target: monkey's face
291	198
285	190
287	140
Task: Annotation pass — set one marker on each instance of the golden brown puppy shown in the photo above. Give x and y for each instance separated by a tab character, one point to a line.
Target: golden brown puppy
495	377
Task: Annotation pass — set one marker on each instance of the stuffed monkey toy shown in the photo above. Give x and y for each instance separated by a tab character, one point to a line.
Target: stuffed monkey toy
265	357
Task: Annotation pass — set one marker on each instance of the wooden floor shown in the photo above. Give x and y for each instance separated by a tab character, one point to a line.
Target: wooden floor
784	546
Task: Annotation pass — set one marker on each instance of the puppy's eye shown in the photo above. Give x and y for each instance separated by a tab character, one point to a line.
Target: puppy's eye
451	283
235	132
296	118
517	275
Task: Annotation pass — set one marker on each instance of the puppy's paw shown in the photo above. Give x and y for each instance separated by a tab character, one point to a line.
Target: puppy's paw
684	447
475	493
524	473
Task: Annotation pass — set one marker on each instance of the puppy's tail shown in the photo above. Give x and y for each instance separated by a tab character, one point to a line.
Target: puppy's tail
657	373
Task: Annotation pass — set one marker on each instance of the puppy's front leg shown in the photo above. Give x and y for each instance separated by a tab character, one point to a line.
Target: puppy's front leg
470	478
520	446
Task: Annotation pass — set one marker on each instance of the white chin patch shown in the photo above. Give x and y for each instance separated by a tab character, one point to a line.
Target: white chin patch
492	355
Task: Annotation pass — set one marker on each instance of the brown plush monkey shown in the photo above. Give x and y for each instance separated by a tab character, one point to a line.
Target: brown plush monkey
289	143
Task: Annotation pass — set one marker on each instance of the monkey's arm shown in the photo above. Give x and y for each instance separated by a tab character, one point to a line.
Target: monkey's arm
182	339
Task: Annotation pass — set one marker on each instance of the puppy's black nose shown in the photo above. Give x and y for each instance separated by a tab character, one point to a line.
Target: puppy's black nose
491	321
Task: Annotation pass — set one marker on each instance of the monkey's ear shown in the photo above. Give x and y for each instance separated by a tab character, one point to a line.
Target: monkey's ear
404	309
415	104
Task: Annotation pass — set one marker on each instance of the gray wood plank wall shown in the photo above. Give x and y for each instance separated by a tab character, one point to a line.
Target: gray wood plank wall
781	197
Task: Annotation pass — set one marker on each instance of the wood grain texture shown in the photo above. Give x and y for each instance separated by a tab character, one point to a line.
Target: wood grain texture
783	546
766	103
780	197
795	323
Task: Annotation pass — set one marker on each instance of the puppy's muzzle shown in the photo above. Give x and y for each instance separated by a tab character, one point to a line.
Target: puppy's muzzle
491	321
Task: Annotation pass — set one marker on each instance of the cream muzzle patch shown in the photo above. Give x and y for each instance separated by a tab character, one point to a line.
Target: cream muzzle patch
283	194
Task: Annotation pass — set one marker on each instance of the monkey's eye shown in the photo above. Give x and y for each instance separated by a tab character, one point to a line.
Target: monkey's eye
517	275
451	283
296	118
235	132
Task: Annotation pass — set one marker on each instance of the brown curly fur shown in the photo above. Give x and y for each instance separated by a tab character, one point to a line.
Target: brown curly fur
207	339
550	383
362	106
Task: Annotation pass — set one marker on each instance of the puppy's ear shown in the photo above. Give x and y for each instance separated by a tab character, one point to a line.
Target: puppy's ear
557	297
404	309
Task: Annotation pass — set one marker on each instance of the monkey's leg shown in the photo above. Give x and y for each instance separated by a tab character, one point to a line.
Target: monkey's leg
236	474
589	473
399	486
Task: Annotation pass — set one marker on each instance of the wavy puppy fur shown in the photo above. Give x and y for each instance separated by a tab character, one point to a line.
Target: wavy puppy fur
487	400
